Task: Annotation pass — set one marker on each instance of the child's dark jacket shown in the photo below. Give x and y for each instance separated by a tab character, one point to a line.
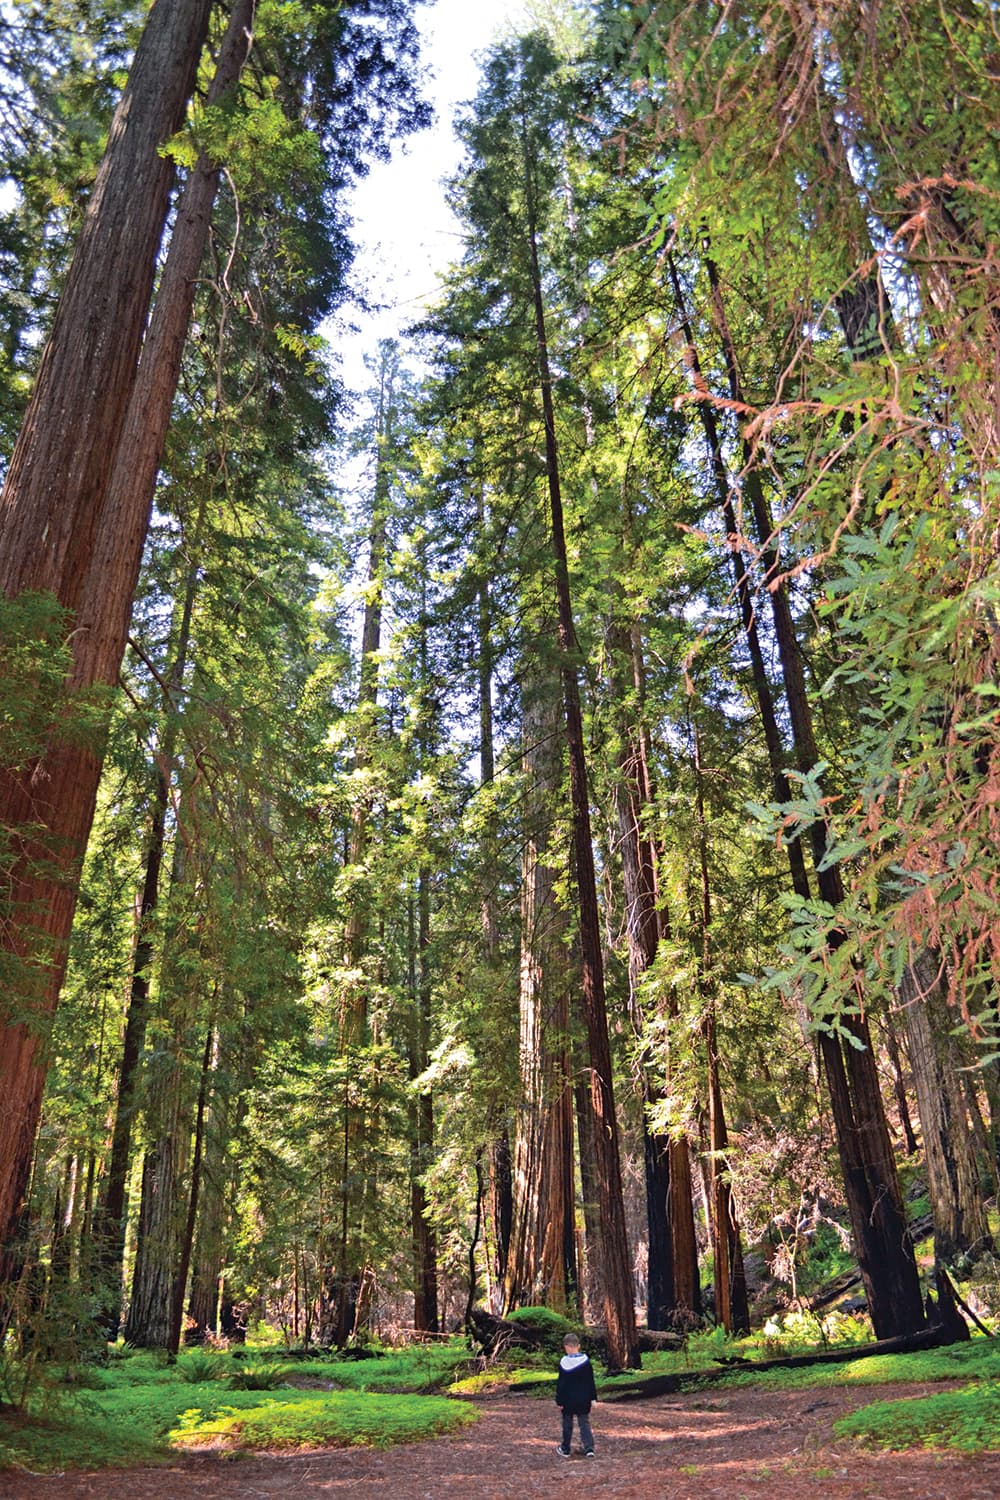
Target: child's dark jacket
575	1388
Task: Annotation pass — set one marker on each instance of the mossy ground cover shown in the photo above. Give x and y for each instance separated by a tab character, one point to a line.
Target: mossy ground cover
967	1419
977	1360
335	1418
421	1367
139	1410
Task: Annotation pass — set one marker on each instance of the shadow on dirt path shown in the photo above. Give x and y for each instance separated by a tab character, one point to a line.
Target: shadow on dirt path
720	1446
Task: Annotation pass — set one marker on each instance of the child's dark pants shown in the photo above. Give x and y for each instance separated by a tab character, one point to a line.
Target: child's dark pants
586	1436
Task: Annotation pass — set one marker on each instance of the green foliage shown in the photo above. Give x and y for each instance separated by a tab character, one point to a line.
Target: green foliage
501	1377
785	156
144	1407
427	1366
257	1377
196	1369
34	660
827	1256
340	1419
967	1420
798	1332
977	1360
551	1324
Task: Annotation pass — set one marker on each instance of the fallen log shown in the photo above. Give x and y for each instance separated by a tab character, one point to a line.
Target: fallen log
664	1385
833	1289
651	1340
494	1335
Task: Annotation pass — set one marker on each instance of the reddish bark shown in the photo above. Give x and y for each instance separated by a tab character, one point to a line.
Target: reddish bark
59	536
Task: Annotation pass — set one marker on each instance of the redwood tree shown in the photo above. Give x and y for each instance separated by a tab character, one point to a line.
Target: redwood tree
52	521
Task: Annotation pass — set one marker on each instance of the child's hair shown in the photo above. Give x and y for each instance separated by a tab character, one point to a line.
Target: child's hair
571	1341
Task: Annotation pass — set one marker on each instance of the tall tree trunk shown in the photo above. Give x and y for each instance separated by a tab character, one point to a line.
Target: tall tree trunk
949	1150
669	1204
209	1250
619	1303
592	1273
194	1194
149	1323
501	1175
899	1087
541	1266
150	1320
743	587
61	530
425	1278
110	1218
731	1307
345	1288
502	1192
882	1242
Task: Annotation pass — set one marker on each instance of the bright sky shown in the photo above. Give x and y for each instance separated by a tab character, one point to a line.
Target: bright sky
402	223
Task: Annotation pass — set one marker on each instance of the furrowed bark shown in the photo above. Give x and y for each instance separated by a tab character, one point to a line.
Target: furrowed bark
68	528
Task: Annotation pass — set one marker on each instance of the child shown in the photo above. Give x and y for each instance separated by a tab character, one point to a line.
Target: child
575	1390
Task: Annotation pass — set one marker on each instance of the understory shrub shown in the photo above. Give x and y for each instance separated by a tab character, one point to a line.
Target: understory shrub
258	1377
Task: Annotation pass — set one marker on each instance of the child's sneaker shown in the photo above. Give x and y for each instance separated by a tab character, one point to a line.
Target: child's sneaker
590	1453
562	1452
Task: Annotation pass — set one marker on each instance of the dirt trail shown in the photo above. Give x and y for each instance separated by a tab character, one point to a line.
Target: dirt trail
721	1446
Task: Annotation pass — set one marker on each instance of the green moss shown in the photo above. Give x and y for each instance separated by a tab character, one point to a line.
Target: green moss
551	1326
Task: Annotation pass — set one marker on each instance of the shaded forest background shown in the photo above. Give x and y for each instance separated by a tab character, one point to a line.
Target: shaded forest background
533	837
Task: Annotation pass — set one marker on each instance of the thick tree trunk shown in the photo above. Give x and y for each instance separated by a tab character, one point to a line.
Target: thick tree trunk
661	1299
949	1153
541	1267
502	1193
62	531
209	1250
149	1323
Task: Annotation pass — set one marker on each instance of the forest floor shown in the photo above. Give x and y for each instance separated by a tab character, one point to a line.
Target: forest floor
732	1445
